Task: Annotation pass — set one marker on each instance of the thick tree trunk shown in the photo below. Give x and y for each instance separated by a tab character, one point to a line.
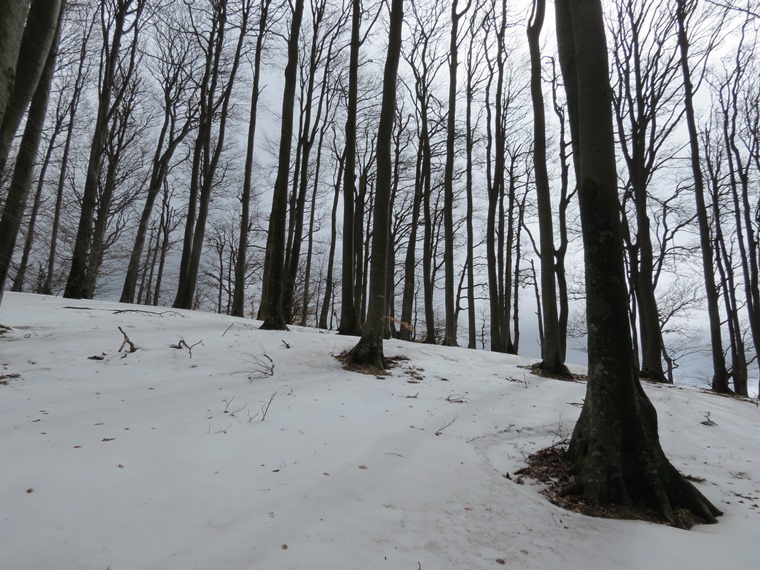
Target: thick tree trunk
15	203
369	350
11	32
39	29
615	444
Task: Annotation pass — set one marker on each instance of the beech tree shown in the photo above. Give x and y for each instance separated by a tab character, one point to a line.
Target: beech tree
552	356
23	171
23	60
121	23
238	300
684	13
369	350
173	70
274	274
216	87
615	445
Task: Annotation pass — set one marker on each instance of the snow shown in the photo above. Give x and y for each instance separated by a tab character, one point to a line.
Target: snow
159	459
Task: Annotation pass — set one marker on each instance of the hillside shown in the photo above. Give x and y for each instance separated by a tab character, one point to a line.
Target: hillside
216	457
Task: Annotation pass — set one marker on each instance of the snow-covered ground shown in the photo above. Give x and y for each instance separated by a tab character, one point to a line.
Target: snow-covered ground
159	458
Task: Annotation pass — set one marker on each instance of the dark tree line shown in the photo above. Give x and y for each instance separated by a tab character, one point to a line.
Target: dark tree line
147	117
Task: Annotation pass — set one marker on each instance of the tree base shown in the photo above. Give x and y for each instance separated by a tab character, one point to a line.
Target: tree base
559	372
554	468
274	325
619	462
368	353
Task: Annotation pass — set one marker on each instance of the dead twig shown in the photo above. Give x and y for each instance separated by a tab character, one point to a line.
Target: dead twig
439	431
263	366
183	344
157	313
265	407
130	346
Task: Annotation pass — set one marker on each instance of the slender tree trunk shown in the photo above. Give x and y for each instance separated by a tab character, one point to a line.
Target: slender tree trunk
238	300
275	318
450	332
108	101
349	316
552	360
720	378
369	350
19	279
325	310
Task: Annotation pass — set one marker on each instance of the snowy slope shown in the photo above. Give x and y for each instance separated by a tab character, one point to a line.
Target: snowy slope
158	459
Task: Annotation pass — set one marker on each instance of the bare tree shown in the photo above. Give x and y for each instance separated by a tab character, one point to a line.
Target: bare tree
552	357
369	350
275	273
615	444
21	182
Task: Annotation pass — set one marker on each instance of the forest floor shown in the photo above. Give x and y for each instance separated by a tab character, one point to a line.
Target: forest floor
214	445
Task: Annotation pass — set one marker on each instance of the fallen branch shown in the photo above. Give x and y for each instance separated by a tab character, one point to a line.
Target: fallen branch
265	407
447	424
158	313
127	343
263	366
182	344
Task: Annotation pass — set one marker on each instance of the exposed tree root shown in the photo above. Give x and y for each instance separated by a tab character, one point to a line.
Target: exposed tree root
614	466
554	468
564	374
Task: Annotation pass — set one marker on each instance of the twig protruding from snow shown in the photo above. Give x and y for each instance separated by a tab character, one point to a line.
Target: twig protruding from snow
447	424
130	346
183	344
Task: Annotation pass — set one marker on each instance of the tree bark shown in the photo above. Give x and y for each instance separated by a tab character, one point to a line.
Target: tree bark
369	350
15	203
275	318
238	299
39	29
552	360
615	444
720	377
349	315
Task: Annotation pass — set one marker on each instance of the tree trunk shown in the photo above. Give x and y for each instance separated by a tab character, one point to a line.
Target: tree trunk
369	350
349	316
275	318
39	29
326	302
11	32
238	299
450	331
552	360
108	101
21	182
615	444
720	378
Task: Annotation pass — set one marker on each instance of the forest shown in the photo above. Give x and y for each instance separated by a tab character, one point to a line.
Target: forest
154	152
389	169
